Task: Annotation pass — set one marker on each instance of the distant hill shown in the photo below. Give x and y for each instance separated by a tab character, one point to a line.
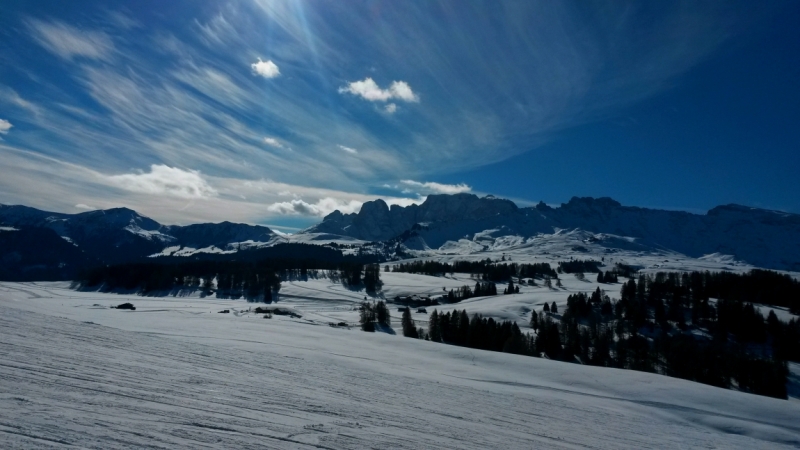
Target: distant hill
56	245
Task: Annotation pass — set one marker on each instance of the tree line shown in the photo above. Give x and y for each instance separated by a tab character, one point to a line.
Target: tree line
254	281
672	324
457	328
482	289
687	325
578	266
486	269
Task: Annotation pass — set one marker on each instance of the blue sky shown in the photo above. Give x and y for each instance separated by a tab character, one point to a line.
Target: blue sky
279	112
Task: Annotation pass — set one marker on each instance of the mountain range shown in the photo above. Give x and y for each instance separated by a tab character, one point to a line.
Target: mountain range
45	244
48	245
761	237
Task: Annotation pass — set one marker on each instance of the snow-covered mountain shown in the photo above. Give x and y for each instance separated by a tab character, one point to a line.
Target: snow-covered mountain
35	242
761	237
62	243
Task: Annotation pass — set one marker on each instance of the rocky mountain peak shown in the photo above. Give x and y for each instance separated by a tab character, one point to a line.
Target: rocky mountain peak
591	203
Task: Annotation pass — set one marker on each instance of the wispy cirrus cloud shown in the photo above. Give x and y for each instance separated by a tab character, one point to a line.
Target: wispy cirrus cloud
190	92
350	150
168	194
67	42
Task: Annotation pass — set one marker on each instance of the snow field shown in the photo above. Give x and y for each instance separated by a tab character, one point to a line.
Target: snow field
175	373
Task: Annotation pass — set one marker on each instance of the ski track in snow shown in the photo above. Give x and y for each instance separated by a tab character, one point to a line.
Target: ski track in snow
176	374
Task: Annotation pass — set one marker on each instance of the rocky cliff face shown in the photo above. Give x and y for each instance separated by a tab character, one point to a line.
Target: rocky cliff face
377	222
760	237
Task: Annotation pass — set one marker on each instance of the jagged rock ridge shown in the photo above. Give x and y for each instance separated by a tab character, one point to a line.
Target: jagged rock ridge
761	237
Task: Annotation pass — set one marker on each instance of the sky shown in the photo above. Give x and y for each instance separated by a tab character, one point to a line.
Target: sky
280	112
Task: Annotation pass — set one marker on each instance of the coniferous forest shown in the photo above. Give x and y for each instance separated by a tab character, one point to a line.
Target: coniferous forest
699	326
253	281
486	269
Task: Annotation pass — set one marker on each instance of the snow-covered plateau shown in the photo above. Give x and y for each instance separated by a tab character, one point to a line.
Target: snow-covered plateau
187	371
177	373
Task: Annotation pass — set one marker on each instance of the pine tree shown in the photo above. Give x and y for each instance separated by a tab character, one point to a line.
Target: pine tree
434	327
463	328
382	314
367	317
554	308
409	330
546	308
208	284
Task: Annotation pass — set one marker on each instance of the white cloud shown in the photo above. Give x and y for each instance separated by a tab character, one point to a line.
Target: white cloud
405	201
273	142
84	206
401	90
390	108
321	208
67	42
165	180
266	69
5	126
348	149
369	90
31	179
327	205
437	188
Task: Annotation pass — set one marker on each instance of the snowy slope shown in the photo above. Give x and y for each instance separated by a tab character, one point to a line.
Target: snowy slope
175	373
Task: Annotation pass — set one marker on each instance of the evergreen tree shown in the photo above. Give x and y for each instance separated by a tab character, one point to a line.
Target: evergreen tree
453	326
554	308
367	317
434	327
463	328
409	330
382	314
372	278
208	284
546	308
